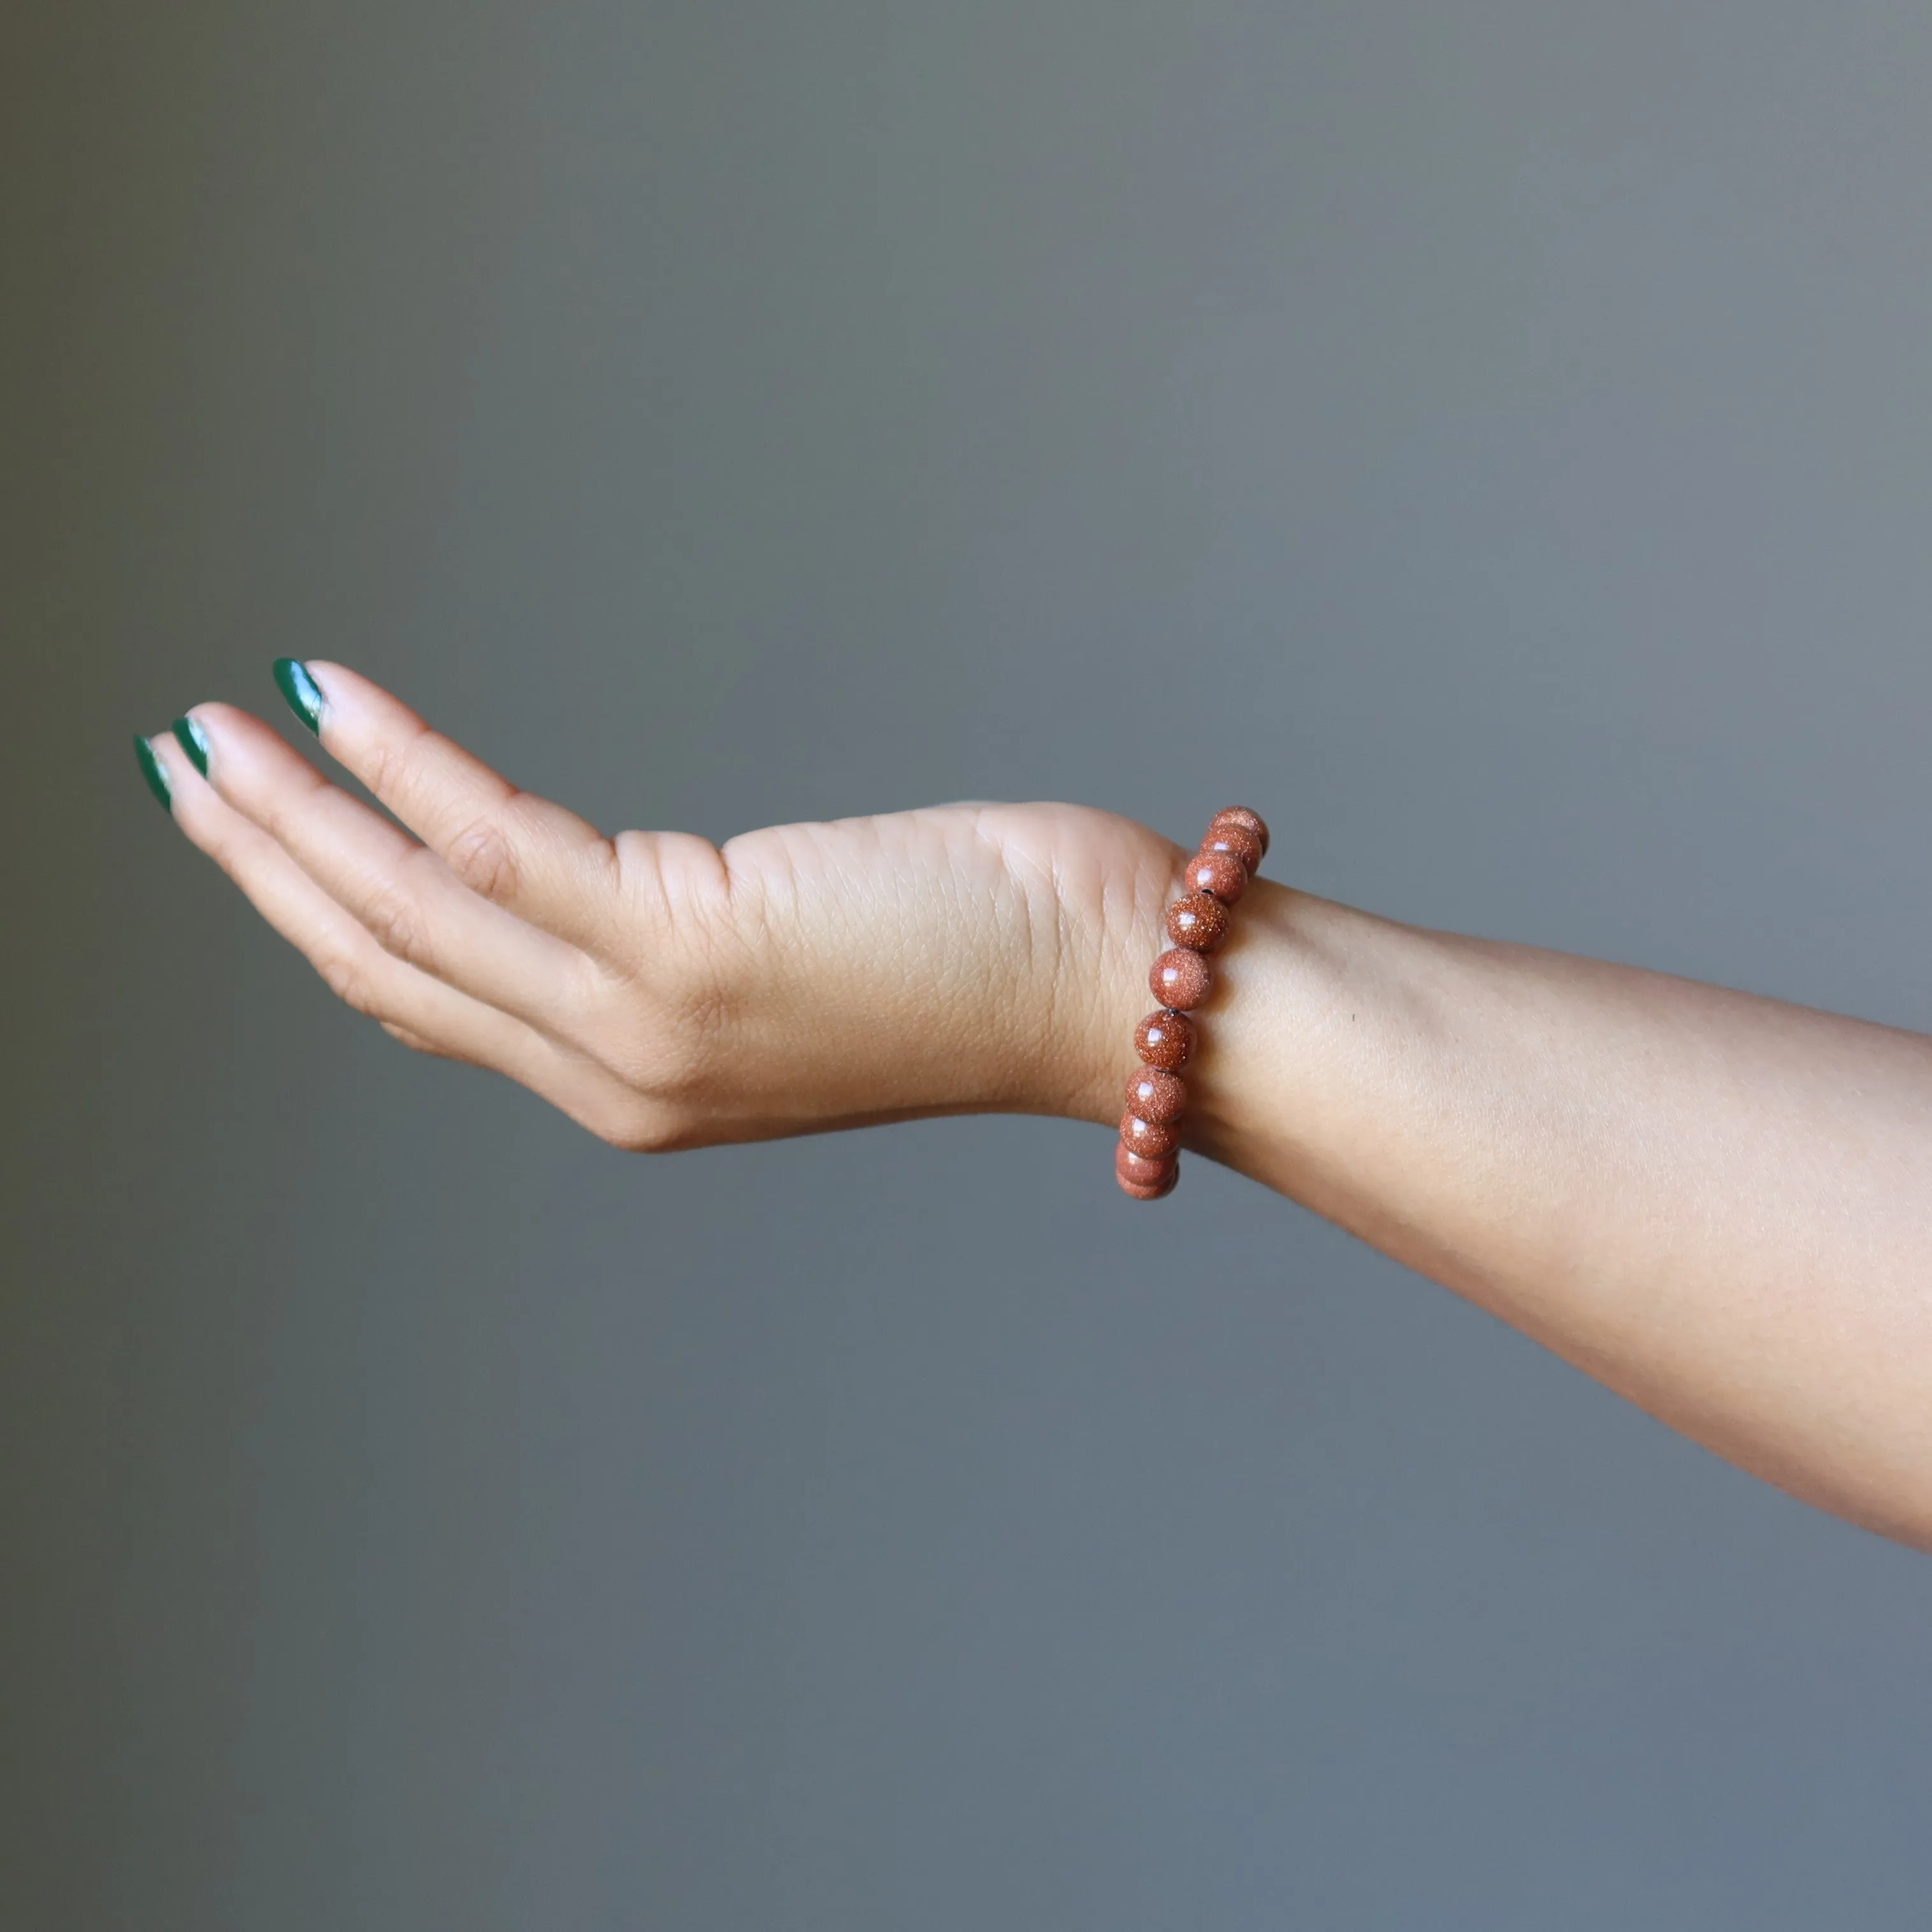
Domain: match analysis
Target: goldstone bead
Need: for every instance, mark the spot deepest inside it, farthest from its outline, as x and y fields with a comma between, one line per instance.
x=1240, y=814
x=1140, y=1170
x=1180, y=979
x=1155, y=1095
x=1135, y=1191
x=1200, y=920
x=1220, y=873
x=1154, y=1138
x=1235, y=840
x=1165, y=1040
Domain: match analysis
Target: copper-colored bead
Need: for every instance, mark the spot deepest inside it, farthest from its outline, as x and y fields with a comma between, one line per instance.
x=1200, y=920
x=1220, y=873
x=1155, y=1095
x=1165, y=1040
x=1235, y=840
x=1139, y=1170
x=1181, y=980
x=1240, y=814
x=1155, y=1138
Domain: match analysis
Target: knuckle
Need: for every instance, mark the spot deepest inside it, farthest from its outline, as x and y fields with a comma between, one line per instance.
x=415, y=1042
x=480, y=857
x=395, y=921
x=218, y=847
x=384, y=767
x=349, y=979
x=284, y=811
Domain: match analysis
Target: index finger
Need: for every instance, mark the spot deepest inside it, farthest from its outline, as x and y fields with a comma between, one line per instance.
x=523, y=853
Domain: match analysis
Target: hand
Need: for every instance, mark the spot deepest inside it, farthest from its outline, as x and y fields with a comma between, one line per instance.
x=666, y=992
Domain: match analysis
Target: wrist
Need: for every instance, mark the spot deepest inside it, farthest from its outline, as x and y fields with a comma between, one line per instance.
x=1116, y=995
x=1095, y=888
x=1311, y=1011
x=1161, y=1112
x=1278, y=980
x=1280, y=986
x=1264, y=977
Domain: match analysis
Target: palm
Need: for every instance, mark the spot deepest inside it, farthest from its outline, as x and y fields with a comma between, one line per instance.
x=956, y=956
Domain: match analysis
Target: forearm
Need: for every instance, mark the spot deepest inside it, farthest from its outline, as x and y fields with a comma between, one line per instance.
x=1719, y=1205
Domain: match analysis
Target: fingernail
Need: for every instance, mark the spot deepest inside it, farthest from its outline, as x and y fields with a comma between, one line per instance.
x=299, y=688
x=193, y=740
x=154, y=771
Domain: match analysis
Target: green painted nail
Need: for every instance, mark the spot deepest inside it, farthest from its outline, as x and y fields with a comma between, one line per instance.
x=154, y=771
x=299, y=688
x=193, y=740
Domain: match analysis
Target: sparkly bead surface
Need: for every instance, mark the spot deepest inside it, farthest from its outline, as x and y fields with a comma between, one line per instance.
x=1140, y=1170
x=1149, y=1137
x=1146, y=1160
x=1181, y=980
x=1235, y=840
x=1240, y=814
x=1165, y=1040
x=1200, y=921
x=1155, y=1095
x=1220, y=873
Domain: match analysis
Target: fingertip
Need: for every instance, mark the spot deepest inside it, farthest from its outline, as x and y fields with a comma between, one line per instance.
x=297, y=684
x=218, y=740
x=193, y=739
x=154, y=773
x=347, y=697
x=215, y=718
x=195, y=804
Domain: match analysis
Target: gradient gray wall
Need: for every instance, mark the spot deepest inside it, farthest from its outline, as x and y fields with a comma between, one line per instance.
x=1495, y=439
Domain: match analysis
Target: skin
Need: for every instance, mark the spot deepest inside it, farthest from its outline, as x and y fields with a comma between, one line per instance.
x=1718, y=1205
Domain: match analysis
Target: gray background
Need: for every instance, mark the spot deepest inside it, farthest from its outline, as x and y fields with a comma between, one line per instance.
x=1496, y=440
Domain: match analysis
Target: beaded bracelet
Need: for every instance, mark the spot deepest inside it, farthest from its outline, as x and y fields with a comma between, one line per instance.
x=1147, y=1162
